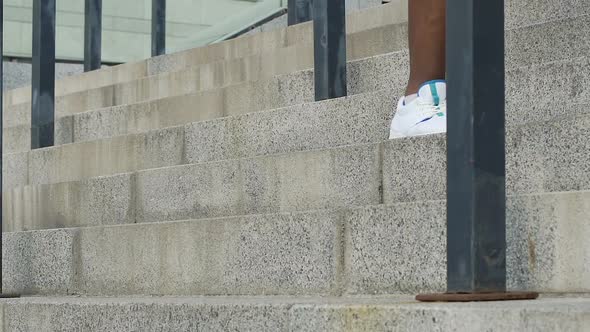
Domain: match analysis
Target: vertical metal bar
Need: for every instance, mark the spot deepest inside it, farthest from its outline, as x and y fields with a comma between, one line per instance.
x=92, y=34
x=476, y=234
x=329, y=29
x=158, y=27
x=43, y=80
x=299, y=11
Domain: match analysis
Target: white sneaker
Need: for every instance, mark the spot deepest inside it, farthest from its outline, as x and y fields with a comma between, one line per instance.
x=427, y=114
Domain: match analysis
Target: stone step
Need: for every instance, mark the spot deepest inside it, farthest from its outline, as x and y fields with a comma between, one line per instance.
x=373, y=249
x=292, y=314
x=191, y=143
x=242, y=47
x=322, y=163
x=173, y=146
x=330, y=178
x=519, y=13
x=544, y=156
x=526, y=46
x=219, y=74
x=378, y=72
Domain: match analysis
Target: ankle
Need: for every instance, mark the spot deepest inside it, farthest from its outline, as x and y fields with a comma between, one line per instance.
x=414, y=85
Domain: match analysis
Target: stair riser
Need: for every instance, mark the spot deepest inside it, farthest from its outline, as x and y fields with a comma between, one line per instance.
x=373, y=250
x=541, y=157
x=402, y=247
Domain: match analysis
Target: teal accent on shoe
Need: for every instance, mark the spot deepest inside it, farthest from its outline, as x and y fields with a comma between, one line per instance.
x=434, y=92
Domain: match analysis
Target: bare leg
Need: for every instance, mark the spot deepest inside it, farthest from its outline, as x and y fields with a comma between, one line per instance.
x=427, y=42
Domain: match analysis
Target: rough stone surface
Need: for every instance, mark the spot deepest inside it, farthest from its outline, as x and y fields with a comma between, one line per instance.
x=310, y=180
x=519, y=13
x=526, y=46
x=263, y=254
x=304, y=314
x=296, y=253
x=549, y=156
x=97, y=201
x=401, y=247
x=18, y=138
x=226, y=72
x=396, y=249
x=275, y=39
x=18, y=74
x=414, y=169
x=562, y=82
x=551, y=41
x=364, y=75
x=15, y=170
x=547, y=241
x=544, y=156
x=149, y=314
x=39, y=262
x=525, y=12
x=74, y=162
x=356, y=119
x=280, y=91
x=548, y=315
x=380, y=249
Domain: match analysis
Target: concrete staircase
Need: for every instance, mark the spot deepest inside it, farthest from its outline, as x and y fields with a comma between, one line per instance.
x=206, y=191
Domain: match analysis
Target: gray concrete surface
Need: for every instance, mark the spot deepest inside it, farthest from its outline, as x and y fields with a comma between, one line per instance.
x=519, y=13
x=42, y=162
x=379, y=249
x=521, y=44
x=274, y=314
x=401, y=247
x=217, y=74
x=560, y=79
x=543, y=156
x=334, y=178
x=302, y=200
x=97, y=201
x=235, y=48
x=18, y=74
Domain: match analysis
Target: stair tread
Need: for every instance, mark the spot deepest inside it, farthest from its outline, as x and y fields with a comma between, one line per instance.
x=292, y=314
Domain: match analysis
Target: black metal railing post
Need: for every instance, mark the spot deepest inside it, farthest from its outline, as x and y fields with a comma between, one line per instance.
x=329, y=30
x=476, y=196
x=299, y=11
x=158, y=27
x=43, y=76
x=92, y=34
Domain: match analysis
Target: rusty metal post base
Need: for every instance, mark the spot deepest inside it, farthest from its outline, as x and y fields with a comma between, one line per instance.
x=477, y=297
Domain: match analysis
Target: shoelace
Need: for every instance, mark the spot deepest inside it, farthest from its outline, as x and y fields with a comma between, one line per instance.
x=429, y=110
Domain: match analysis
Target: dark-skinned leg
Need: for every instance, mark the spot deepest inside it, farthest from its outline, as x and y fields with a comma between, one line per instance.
x=426, y=41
